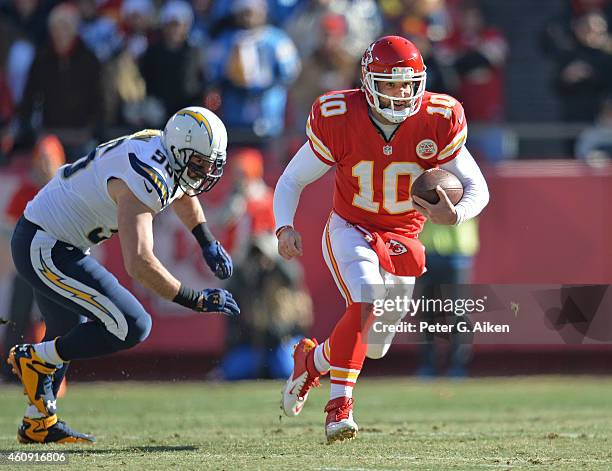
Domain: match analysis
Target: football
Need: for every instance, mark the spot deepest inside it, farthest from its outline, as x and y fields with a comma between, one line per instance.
x=425, y=185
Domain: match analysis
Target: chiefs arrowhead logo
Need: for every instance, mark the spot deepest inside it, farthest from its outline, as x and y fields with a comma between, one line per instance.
x=426, y=149
x=367, y=58
x=395, y=247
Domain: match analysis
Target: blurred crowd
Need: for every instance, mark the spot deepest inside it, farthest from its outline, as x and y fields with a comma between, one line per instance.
x=87, y=70
x=580, y=43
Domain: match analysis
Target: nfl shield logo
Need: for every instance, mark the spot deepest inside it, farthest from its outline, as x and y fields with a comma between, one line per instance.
x=388, y=150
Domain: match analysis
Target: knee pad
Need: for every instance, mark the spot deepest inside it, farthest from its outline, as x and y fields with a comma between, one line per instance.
x=380, y=342
x=376, y=351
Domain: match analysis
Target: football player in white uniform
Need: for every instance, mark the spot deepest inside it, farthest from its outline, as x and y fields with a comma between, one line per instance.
x=119, y=187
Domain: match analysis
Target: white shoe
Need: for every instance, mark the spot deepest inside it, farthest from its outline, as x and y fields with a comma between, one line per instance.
x=339, y=425
x=302, y=379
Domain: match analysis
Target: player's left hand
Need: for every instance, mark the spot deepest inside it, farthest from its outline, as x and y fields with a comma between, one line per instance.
x=443, y=212
x=218, y=260
x=218, y=300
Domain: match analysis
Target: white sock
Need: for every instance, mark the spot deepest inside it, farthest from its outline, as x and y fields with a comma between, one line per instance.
x=32, y=412
x=340, y=390
x=321, y=364
x=47, y=352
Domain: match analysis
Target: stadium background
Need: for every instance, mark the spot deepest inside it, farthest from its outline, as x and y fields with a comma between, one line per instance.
x=548, y=220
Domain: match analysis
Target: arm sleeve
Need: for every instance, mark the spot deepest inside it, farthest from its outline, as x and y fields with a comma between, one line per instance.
x=303, y=169
x=475, y=189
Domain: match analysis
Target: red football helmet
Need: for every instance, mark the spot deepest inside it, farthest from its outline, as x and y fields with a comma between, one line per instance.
x=393, y=59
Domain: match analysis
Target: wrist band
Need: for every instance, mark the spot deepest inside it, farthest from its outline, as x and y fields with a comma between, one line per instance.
x=281, y=229
x=203, y=235
x=187, y=297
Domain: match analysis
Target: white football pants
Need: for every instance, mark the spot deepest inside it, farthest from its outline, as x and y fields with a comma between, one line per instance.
x=360, y=278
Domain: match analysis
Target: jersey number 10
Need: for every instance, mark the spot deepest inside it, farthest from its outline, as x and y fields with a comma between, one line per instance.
x=364, y=171
x=332, y=105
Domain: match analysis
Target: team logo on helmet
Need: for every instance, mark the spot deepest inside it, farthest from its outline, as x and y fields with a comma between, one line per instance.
x=395, y=247
x=200, y=119
x=426, y=149
x=367, y=58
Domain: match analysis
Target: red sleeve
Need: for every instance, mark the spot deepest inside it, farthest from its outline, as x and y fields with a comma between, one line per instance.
x=24, y=193
x=451, y=128
x=15, y=207
x=324, y=117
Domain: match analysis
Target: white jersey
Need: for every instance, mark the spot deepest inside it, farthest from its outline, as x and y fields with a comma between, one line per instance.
x=75, y=206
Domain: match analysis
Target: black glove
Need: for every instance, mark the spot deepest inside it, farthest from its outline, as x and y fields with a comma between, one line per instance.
x=208, y=300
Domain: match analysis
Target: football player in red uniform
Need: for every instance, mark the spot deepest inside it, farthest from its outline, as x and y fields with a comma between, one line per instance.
x=379, y=138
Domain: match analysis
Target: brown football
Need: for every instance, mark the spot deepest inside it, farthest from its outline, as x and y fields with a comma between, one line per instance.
x=425, y=185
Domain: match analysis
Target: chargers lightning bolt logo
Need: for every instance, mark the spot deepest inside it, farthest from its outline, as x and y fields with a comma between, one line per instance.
x=200, y=119
x=58, y=281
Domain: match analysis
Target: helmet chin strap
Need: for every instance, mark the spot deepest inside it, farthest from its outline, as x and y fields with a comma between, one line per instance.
x=177, y=176
x=391, y=115
x=388, y=112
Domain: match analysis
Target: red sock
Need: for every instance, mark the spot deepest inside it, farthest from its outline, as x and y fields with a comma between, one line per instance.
x=348, y=349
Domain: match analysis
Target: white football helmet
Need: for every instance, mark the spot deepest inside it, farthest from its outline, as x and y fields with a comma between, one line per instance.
x=196, y=141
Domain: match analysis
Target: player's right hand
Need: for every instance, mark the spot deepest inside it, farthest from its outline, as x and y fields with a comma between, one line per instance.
x=217, y=300
x=290, y=243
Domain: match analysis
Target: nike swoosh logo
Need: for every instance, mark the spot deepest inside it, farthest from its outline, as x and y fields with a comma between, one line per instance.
x=148, y=188
x=291, y=391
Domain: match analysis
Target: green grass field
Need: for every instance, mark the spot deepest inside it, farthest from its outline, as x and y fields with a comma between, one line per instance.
x=518, y=423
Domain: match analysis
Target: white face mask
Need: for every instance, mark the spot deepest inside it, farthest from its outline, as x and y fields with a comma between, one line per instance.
x=412, y=102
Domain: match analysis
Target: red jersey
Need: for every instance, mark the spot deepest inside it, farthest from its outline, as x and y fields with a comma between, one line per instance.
x=374, y=175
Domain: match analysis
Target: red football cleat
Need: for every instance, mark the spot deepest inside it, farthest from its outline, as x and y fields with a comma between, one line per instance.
x=339, y=425
x=303, y=378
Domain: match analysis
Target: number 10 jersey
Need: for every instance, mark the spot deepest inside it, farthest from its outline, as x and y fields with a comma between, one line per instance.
x=374, y=175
